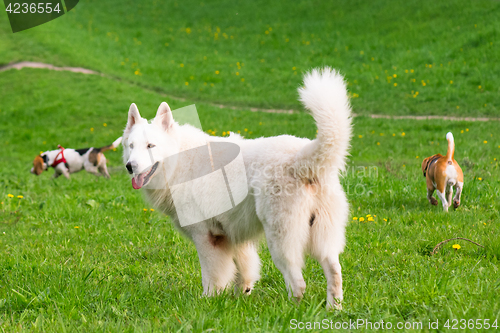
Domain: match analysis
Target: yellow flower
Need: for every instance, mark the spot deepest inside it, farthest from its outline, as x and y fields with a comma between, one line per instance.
x=485, y=141
x=461, y=131
x=370, y=219
x=246, y=129
x=77, y=227
x=145, y=209
x=152, y=210
x=393, y=134
x=403, y=134
x=187, y=83
x=479, y=178
x=242, y=80
x=456, y=246
x=182, y=65
x=91, y=129
x=20, y=197
x=466, y=129
x=479, y=87
x=294, y=68
x=378, y=143
x=385, y=220
x=417, y=157
x=188, y=30
x=395, y=84
x=360, y=136
x=354, y=218
x=368, y=215
x=484, y=223
x=10, y=195
x=361, y=219
x=217, y=72
x=104, y=124
x=451, y=82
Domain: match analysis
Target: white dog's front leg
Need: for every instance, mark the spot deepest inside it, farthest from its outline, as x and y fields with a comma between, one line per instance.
x=247, y=262
x=216, y=261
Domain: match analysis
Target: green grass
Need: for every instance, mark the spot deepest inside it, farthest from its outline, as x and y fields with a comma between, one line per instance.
x=124, y=269
x=83, y=255
x=451, y=47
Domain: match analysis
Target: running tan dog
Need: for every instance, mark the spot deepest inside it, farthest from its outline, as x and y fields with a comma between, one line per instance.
x=443, y=173
x=66, y=161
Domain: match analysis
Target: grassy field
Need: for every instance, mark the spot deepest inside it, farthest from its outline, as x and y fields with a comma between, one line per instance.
x=89, y=254
x=410, y=57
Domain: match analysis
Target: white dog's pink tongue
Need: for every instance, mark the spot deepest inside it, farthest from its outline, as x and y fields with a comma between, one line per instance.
x=137, y=182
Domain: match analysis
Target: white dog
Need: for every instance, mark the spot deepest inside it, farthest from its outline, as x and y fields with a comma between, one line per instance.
x=294, y=197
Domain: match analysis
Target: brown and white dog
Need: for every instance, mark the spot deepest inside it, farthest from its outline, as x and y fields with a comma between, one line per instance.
x=66, y=161
x=443, y=173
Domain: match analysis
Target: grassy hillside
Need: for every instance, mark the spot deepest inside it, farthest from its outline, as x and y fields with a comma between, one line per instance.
x=400, y=57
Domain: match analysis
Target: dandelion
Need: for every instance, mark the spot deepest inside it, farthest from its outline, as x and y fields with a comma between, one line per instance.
x=370, y=219
x=466, y=129
x=188, y=30
x=403, y=134
x=451, y=82
x=237, y=73
x=354, y=218
x=368, y=215
x=138, y=72
x=242, y=80
x=462, y=131
x=394, y=75
x=458, y=107
x=246, y=129
x=395, y=84
x=378, y=143
x=485, y=141
x=484, y=223
x=91, y=129
x=385, y=220
x=373, y=59
x=217, y=72
x=456, y=246
x=479, y=87
x=145, y=209
x=77, y=227
x=187, y=83
x=361, y=219
x=20, y=197
x=294, y=68
x=152, y=210
x=10, y=195
x=181, y=65
x=416, y=157
x=105, y=125
x=260, y=123
x=360, y=136
x=393, y=134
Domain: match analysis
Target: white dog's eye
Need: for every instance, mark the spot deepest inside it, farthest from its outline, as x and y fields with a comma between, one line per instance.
x=131, y=146
x=150, y=145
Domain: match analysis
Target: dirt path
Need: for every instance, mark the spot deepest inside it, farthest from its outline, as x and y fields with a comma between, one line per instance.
x=29, y=64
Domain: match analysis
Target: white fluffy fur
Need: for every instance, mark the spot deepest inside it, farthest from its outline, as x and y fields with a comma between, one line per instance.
x=306, y=171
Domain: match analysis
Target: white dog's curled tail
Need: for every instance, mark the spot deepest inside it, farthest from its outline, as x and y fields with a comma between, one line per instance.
x=325, y=94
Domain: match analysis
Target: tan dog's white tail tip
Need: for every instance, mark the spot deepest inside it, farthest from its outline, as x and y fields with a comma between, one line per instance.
x=449, y=136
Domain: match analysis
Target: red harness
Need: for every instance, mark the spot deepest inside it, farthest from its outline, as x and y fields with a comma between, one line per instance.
x=61, y=160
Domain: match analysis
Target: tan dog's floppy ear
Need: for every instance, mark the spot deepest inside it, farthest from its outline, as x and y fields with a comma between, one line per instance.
x=425, y=164
x=133, y=117
x=164, y=116
x=37, y=165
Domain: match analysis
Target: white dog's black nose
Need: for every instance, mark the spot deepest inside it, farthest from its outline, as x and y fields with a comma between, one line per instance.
x=129, y=167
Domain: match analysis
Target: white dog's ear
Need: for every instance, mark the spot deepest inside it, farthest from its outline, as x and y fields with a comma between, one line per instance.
x=164, y=117
x=133, y=117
